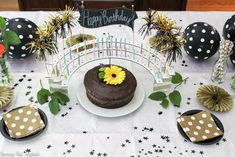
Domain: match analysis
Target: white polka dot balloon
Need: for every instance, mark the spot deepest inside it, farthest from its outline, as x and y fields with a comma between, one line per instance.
x=25, y=29
x=202, y=40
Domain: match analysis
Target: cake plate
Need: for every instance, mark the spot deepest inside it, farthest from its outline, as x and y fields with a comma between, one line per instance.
x=133, y=105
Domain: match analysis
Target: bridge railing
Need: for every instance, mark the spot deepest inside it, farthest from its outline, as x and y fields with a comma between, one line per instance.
x=63, y=65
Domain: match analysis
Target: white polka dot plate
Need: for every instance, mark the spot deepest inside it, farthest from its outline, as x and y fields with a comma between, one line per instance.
x=5, y=133
x=205, y=142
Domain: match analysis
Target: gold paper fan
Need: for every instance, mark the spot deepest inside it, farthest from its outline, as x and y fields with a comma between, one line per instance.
x=76, y=39
x=215, y=98
x=6, y=96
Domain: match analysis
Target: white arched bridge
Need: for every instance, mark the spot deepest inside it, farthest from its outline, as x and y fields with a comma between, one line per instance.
x=62, y=66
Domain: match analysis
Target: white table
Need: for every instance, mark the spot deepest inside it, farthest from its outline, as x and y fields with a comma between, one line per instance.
x=150, y=131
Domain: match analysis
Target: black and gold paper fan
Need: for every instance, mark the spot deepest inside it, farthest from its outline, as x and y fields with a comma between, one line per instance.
x=215, y=98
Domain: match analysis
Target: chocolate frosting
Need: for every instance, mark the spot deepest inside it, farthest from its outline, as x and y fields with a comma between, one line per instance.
x=106, y=95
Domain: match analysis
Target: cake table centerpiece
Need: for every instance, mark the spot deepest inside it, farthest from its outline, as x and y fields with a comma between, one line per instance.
x=110, y=86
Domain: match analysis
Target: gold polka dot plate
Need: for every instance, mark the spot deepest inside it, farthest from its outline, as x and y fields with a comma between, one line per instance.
x=201, y=128
x=6, y=132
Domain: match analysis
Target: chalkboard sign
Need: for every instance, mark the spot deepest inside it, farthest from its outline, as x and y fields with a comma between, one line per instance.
x=104, y=17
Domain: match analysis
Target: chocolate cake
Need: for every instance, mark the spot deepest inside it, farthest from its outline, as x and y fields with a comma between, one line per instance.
x=106, y=95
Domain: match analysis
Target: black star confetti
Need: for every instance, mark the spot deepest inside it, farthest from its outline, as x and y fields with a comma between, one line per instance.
x=31, y=99
x=64, y=114
x=29, y=87
x=92, y=152
x=27, y=150
x=66, y=142
x=128, y=141
x=27, y=93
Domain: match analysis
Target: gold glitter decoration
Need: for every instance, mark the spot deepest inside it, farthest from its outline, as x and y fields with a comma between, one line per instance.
x=148, y=26
x=163, y=22
x=168, y=38
x=67, y=19
x=45, y=43
x=215, y=98
x=6, y=96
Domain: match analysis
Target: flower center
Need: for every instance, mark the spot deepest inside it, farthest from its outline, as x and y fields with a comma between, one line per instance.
x=114, y=75
x=216, y=98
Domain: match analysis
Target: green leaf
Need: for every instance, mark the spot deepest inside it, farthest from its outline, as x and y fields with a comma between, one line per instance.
x=175, y=98
x=5, y=44
x=158, y=96
x=42, y=96
x=54, y=106
x=12, y=38
x=102, y=69
x=2, y=23
x=165, y=103
x=101, y=75
x=177, y=78
x=62, y=98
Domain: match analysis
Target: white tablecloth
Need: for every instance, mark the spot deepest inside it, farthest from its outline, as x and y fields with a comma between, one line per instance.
x=150, y=131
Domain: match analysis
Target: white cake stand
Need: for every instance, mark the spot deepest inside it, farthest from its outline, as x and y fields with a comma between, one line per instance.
x=133, y=105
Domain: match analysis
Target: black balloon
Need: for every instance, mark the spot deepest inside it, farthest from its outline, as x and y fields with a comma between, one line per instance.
x=6, y=19
x=229, y=29
x=229, y=34
x=232, y=56
x=25, y=29
x=202, y=40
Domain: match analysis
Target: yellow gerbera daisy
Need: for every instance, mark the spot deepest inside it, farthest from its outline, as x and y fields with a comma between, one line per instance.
x=114, y=75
